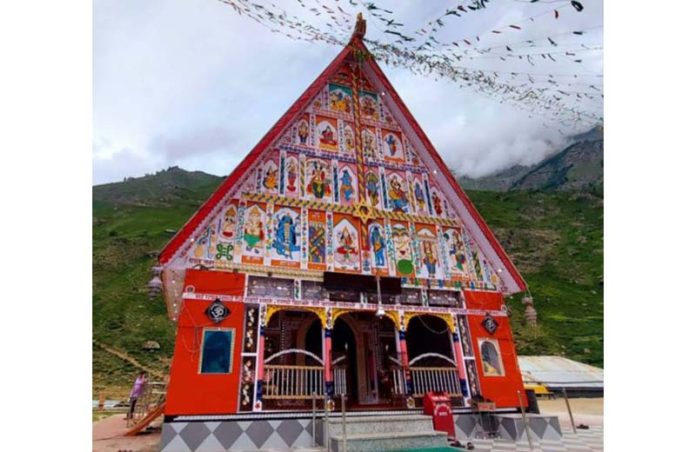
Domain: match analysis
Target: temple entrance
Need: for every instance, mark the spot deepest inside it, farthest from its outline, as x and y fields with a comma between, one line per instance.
x=345, y=362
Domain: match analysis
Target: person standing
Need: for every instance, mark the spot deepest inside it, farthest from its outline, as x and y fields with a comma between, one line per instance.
x=136, y=391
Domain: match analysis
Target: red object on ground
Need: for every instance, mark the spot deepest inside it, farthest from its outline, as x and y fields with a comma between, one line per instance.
x=439, y=406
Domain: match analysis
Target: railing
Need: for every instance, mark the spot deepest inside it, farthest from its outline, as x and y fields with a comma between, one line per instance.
x=292, y=382
x=339, y=375
x=427, y=379
x=152, y=395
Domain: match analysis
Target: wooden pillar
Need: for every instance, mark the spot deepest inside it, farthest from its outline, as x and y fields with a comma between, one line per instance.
x=404, y=361
x=328, y=371
x=261, y=347
x=459, y=359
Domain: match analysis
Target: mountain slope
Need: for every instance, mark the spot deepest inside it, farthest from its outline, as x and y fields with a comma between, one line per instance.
x=579, y=166
x=555, y=239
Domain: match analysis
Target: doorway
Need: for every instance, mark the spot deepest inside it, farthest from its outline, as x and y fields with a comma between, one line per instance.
x=344, y=350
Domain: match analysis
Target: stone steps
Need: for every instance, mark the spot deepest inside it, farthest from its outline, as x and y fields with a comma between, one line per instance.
x=383, y=433
x=414, y=423
x=389, y=441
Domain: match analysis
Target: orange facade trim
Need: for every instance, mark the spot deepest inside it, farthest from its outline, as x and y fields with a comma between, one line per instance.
x=189, y=391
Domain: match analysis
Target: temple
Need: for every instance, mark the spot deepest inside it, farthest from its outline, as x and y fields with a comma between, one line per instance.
x=339, y=257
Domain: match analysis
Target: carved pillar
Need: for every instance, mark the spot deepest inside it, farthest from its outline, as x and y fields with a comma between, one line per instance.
x=261, y=347
x=328, y=371
x=459, y=359
x=403, y=350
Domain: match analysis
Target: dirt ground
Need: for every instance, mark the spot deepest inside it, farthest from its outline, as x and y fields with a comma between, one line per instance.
x=107, y=433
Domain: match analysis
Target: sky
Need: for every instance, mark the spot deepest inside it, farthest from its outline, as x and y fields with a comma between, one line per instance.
x=191, y=83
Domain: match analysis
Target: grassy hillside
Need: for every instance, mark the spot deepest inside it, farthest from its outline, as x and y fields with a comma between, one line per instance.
x=554, y=238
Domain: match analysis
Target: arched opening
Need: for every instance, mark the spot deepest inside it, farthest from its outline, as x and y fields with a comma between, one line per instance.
x=345, y=356
x=428, y=334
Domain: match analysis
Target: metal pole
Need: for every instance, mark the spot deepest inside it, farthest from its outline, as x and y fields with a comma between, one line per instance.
x=325, y=427
x=570, y=413
x=314, y=418
x=343, y=414
x=524, y=419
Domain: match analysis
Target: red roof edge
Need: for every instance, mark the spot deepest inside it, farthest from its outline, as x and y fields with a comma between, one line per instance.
x=189, y=227
x=445, y=170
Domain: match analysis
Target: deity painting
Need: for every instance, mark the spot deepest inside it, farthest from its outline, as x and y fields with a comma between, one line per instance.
x=346, y=245
x=327, y=134
x=348, y=139
x=372, y=187
x=369, y=107
x=477, y=265
x=229, y=223
x=346, y=190
x=302, y=136
x=205, y=244
x=340, y=99
x=398, y=197
x=270, y=178
x=437, y=203
x=456, y=251
x=490, y=358
x=393, y=147
x=369, y=143
x=286, y=238
x=419, y=195
x=428, y=254
x=318, y=176
x=317, y=242
x=253, y=231
x=402, y=246
x=292, y=170
x=378, y=244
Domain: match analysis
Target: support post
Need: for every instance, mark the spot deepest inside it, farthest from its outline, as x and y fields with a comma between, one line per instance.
x=461, y=368
x=328, y=371
x=404, y=361
x=261, y=347
x=343, y=419
x=570, y=413
x=524, y=419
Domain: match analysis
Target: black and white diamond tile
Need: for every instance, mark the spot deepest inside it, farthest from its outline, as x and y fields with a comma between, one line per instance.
x=591, y=440
x=204, y=436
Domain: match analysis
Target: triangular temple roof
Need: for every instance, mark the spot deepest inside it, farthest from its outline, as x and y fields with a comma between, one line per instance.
x=508, y=278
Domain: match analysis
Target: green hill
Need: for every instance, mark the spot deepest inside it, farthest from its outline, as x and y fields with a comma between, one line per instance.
x=554, y=238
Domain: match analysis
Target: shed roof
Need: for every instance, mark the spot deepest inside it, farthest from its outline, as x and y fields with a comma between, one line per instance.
x=557, y=371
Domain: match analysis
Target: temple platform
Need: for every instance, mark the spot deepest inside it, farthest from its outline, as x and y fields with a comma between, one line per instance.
x=365, y=430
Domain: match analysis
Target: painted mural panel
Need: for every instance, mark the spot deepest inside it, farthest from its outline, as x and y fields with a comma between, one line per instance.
x=327, y=133
x=316, y=240
x=254, y=238
x=490, y=358
x=401, y=238
x=397, y=193
x=372, y=188
x=340, y=99
x=270, y=177
x=378, y=248
x=204, y=246
x=318, y=178
x=292, y=171
x=392, y=146
x=369, y=106
x=348, y=144
x=285, y=243
x=346, y=243
x=301, y=131
x=430, y=263
x=369, y=143
x=347, y=184
x=456, y=253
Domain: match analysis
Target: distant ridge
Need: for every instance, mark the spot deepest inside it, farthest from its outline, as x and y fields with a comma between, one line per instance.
x=161, y=188
x=580, y=166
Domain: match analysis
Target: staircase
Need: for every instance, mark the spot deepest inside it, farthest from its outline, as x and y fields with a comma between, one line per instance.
x=384, y=433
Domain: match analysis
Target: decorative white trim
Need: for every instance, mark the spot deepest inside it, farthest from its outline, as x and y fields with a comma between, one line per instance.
x=293, y=350
x=426, y=355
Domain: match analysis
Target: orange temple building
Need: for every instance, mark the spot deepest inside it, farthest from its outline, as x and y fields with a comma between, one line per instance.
x=339, y=257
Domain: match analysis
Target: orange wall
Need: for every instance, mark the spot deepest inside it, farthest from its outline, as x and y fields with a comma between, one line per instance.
x=190, y=392
x=501, y=390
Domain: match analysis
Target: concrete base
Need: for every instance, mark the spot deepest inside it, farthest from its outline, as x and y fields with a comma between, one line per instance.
x=507, y=426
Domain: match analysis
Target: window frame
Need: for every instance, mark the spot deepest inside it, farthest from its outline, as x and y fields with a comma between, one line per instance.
x=496, y=346
x=233, y=332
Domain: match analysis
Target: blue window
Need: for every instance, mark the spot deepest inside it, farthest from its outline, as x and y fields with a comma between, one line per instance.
x=216, y=355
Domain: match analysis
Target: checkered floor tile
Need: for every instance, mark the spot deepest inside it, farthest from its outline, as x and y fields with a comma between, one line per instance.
x=591, y=440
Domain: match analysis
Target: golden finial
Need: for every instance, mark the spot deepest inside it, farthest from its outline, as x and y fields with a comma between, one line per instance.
x=360, y=27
